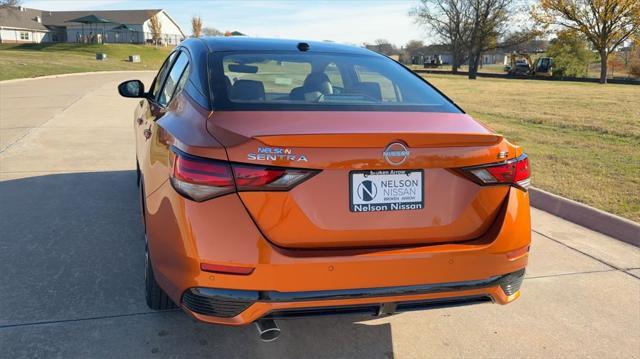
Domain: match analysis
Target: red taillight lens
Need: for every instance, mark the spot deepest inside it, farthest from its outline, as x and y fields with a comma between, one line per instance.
x=262, y=178
x=205, y=172
x=256, y=176
x=202, y=178
x=515, y=172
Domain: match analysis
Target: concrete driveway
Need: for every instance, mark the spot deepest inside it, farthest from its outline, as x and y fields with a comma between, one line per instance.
x=71, y=261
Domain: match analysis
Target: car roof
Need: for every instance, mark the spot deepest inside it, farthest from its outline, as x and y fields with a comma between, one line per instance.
x=243, y=43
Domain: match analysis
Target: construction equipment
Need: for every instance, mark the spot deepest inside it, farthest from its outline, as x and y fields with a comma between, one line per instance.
x=543, y=67
x=522, y=65
x=432, y=61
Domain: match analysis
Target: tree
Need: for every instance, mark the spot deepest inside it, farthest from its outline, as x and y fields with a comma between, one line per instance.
x=449, y=20
x=488, y=23
x=212, y=31
x=471, y=27
x=384, y=47
x=9, y=3
x=196, y=26
x=156, y=29
x=634, y=63
x=571, y=54
x=607, y=24
x=413, y=49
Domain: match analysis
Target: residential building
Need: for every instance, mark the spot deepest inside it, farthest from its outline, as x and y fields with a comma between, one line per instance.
x=24, y=25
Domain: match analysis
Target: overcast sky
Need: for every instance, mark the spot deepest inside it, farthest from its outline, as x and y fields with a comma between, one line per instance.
x=352, y=22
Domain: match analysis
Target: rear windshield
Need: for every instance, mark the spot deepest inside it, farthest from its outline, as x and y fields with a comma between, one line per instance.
x=319, y=81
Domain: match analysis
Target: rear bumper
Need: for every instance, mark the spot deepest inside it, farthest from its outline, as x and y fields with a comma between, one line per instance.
x=239, y=307
x=286, y=281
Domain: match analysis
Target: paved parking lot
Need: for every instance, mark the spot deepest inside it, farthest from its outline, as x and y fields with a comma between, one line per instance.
x=71, y=261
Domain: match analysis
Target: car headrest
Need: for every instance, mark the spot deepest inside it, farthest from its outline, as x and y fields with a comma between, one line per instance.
x=247, y=90
x=318, y=81
x=315, y=78
x=371, y=89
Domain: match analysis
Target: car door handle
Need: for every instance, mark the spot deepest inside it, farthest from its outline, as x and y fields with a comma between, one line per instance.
x=139, y=121
x=147, y=133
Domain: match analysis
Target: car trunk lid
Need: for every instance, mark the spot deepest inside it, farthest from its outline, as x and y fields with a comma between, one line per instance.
x=348, y=148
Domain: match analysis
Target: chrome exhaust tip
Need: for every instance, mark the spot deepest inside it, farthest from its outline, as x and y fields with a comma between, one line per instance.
x=268, y=330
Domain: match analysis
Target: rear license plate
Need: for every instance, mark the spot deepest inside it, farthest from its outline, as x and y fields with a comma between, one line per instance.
x=386, y=190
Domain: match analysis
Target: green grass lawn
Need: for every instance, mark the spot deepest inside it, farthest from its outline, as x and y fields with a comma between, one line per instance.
x=583, y=139
x=32, y=60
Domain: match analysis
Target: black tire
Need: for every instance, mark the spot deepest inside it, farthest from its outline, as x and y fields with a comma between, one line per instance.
x=143, y=214
x=157, y=299
x=138, y=173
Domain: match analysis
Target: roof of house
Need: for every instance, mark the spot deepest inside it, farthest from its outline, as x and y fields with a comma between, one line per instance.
x=21, y=18
x=24, y=18
x=61, y=18
x=436, y=49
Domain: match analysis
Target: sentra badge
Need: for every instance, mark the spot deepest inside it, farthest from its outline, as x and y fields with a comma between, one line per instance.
x=276, y=154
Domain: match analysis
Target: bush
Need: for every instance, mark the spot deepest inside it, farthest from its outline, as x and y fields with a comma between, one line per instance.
x=570, y=53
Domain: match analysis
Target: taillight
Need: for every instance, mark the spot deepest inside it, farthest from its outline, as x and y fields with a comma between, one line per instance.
x=201, y=179
x=515, y=172
x=262, y=178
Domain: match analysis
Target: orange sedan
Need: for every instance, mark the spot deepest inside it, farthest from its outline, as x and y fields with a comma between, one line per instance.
x=281, y=179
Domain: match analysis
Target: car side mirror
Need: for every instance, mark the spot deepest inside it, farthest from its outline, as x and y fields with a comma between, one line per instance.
x=132, y=88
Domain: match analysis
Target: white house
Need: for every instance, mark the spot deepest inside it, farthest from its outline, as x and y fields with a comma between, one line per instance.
x=23, y=25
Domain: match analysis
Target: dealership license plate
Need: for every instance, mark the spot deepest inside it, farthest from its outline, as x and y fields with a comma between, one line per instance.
x=386, y=190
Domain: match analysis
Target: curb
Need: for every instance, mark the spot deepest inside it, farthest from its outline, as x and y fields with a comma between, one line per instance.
x=72, y=74
x=606, y=223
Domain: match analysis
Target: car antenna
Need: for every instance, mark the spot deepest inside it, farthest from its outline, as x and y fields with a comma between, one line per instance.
x=303, y=46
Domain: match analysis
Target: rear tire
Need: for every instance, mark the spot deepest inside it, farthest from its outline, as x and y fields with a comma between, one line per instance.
x=143, y=209
x=157, y=299
x=138, y=173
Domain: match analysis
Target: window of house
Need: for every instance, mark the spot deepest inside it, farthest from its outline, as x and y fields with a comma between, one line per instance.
x=24, y=36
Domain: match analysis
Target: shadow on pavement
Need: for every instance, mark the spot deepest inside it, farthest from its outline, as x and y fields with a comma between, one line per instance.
x=71, y=258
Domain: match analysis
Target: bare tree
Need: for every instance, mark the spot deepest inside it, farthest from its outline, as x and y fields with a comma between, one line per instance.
x=384, y=47
x=212, y=31
x=156, y=29
x=488, y=23
x=196, y=26
x=449, y=20
x=413, y=49
x=607, y=24
x=9, y=3
x=491, y=28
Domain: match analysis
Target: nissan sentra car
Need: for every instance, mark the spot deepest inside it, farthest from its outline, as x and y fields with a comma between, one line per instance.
x=281, y=179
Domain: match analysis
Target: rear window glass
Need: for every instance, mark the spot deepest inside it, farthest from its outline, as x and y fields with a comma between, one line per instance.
x=319, y=81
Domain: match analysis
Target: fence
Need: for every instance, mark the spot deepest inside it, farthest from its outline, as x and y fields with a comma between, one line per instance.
x=125, y=37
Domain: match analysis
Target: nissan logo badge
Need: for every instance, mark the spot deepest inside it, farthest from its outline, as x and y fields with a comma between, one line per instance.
x=396, y=153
